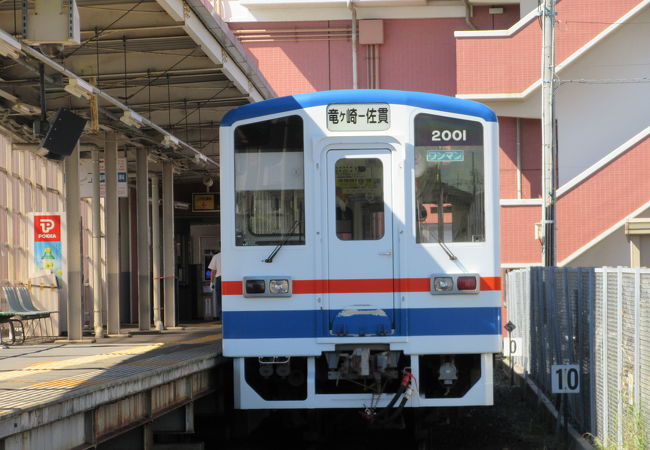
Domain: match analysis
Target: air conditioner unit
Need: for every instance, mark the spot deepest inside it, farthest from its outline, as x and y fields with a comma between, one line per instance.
x=53, y=22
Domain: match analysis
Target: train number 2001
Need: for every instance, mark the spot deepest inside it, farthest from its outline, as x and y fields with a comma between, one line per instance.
x=448, y=135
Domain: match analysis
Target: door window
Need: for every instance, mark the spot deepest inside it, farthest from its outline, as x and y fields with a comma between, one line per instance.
x=359, y=199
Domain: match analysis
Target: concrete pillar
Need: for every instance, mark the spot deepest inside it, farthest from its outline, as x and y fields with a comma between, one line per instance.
x=73, y=236
x=112, y=216
x=125, y=259
x=144, y=274
x=169, y=260
x=155, y=252
x=97, y=251
x=635, y=250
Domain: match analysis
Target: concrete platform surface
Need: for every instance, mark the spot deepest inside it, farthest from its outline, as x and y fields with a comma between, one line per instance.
x=62, y=379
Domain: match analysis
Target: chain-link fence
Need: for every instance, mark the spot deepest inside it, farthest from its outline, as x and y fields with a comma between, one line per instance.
x=600, y=320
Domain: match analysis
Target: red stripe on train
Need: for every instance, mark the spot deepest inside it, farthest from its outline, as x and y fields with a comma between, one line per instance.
x=358, y=286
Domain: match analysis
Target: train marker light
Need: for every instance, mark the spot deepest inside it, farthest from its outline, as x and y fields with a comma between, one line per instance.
x=443, y=284
x=255, y=286
x=466, y=283
x=279, y=286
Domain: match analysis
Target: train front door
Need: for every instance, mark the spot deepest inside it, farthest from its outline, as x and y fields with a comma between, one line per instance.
x=360, y=250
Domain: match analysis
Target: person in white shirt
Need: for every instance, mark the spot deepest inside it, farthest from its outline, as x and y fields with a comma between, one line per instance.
x=215, y=281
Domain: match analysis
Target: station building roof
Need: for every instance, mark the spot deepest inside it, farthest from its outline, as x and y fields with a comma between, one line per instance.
x=173, y=63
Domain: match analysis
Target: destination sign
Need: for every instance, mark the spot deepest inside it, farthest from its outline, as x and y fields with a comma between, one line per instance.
x=358, y=117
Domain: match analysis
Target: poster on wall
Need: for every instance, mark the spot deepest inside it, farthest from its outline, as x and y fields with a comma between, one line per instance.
x=86, y=178
x=47, y=247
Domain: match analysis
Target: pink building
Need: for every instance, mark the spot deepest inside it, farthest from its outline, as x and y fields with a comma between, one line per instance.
x=490, y=51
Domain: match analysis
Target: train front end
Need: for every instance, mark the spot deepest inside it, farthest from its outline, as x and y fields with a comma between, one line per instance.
x=360, y=251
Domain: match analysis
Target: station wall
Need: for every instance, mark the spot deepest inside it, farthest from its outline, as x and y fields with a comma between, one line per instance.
x=28, y=183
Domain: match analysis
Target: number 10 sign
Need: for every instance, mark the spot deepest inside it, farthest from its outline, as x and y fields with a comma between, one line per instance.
x=565, y=379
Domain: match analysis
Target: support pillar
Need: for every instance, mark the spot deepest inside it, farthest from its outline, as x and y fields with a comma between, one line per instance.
x=97, y=251
x=635, y=251
x=112, y=216
x=155, y=252
x=73, y=236
x=169, y=260
x=635, y=229
x=144, y=274
x=125, y=259
x=549, y=158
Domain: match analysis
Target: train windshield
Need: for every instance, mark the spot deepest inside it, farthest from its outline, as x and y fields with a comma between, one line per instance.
x=269, y=183
x=449, y=182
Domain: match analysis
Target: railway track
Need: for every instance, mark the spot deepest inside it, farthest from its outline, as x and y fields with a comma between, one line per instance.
x=512, y=423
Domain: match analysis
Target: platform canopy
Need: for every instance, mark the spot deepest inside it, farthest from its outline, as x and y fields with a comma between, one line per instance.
x=157, y=68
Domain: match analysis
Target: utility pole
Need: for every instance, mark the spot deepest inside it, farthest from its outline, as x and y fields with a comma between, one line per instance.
x=548, y=133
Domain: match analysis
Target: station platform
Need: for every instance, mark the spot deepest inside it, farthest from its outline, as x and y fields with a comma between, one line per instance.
x=78, y=395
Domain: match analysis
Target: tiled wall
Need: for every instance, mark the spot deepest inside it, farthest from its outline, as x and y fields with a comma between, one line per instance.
x=28, y=183
x=511, y=64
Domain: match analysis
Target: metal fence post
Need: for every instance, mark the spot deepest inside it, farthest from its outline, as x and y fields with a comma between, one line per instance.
x=637, y=337
x=580, y=342
x=619, y=356
x=604, y=358
x=592, y=352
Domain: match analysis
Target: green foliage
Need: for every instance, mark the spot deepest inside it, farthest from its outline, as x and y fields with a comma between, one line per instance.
x=635, y=432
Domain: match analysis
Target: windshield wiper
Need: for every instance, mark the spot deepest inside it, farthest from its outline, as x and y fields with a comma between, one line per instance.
x=269, y=259
x=447, y=250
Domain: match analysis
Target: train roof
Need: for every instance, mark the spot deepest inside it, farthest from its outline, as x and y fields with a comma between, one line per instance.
x=302, y=101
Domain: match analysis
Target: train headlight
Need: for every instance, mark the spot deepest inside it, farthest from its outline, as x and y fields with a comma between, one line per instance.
x=279, y=287
x=442, y=284
x=452, y=284
x=267, y=286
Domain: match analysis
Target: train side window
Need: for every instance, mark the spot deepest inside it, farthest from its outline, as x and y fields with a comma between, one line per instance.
x=449, y=180
x=359, y=199
x=269, y=183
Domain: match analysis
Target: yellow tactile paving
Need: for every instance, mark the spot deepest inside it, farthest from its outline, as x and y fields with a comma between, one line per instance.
x=43, y=367
x=147, y=363
x=201, y=340
x=66, y=383
x=30, y=386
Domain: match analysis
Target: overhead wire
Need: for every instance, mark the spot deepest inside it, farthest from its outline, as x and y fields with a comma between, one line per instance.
x=202, y=101
x=103, y=30
x=165, y=72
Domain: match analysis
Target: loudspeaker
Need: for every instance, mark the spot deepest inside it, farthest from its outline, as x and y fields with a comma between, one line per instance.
x=63, y=134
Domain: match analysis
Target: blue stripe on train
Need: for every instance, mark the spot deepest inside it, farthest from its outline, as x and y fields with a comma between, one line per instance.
x=314, y=323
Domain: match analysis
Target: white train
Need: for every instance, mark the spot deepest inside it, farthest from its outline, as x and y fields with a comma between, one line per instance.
x=360, y=249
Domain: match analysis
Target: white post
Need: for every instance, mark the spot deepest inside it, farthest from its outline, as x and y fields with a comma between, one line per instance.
x=144, y=275
x=354, y=45
x=73, y=227
x=112, y=218
x=97, y=251
x=169, y=262
x=548, y=134
x=155, y=251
